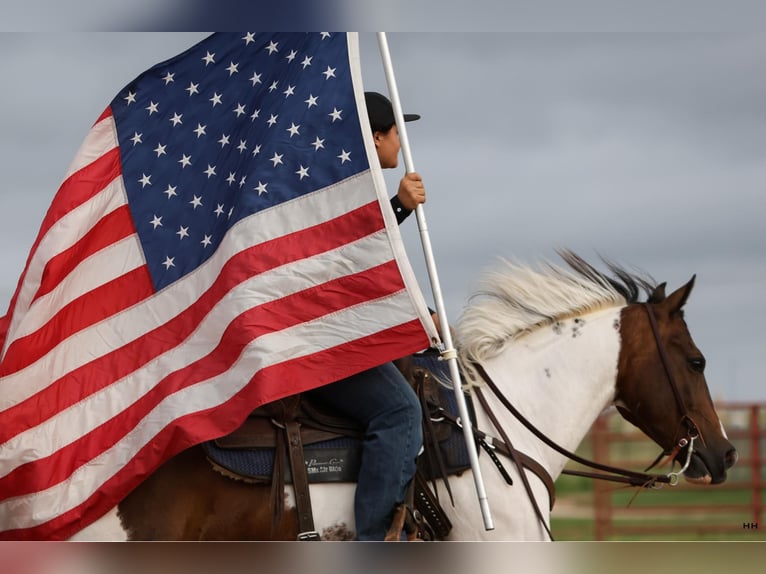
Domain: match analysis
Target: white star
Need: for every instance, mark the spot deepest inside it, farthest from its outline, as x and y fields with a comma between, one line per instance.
x=329, y=73
x=209, y=59
x=289, y=91
x=130, y=98
x=168, y=78
x=312, y=101
x=291, y=56
x=200, y=130
x=249, y=37
x=216, y=99
x=273, y=86
x=145, y=180
x=231, y=211
x=344, y=156
x=272, y=120
x=185, y=160
x=293, y=129
x=168, y=263
x=318, y=143
x=160, y=149
x=176, y=119
x=219, y=210
x=242, y=181
x=255, y=115
x=335, y=115
x=152, y=107
x=239, y=110
x=306, y=62
x=256, y=150
x=182, y=232
x=136, y=139
x=224, y=140
x=272, y=47
x=196, y=202
x=242, y=146
x=156, y=222
x=170, y=191
x=233, y=68
x=325, y=35
x=277, y=158
x=302, y=172
x=210, y=171
x=192, y=89
x=260, y=188
x=232, y=178
x=207, y=240
x=256, y=79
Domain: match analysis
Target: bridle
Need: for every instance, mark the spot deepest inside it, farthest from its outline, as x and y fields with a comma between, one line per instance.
x=692, y=432
x=614, y=474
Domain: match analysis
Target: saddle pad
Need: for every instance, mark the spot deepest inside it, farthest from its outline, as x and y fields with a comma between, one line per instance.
x=338, y=460
x=335, y=460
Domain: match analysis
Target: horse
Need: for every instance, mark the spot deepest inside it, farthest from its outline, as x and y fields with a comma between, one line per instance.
x=560, y=345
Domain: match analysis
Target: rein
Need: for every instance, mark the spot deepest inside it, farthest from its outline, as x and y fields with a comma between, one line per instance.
x=614, y=474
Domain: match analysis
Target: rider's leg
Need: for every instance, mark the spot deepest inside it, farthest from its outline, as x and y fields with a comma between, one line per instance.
x=382, y=400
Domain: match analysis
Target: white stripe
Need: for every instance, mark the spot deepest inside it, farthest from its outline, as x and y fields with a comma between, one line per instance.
x=132, y=323
x=95, y=271
x=92, y=411
x=101, y=139
x=61, y=236
x=37, y=508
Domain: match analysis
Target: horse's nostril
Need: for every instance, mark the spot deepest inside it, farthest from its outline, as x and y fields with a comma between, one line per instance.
x=731, y=457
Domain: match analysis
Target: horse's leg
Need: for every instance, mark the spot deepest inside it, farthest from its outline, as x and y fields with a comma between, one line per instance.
x=185, y=499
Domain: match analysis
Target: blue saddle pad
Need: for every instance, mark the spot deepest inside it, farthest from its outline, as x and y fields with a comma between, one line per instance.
x=338, y=460
x=334, y=460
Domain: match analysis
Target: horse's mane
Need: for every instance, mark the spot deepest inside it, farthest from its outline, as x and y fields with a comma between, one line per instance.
x=517, y=299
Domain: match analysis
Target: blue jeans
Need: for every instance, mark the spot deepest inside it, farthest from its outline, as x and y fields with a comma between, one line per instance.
x=382, y=401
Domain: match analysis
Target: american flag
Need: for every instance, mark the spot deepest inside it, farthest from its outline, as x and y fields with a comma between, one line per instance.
x=222, y=239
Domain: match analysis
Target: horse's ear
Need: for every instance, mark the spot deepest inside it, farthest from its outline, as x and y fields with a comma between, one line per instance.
x=677, y=299
x=658, y=294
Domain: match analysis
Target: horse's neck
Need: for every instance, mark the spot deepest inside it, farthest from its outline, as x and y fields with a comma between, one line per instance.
x=560, y=378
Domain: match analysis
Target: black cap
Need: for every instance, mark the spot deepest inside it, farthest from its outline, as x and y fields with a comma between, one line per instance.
x=381, y=112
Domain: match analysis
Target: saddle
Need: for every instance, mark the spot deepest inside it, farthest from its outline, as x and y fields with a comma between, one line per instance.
x=296, y=441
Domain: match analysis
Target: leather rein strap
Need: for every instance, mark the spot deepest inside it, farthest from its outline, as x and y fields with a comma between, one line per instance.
x=515, y=458
x=631, y=477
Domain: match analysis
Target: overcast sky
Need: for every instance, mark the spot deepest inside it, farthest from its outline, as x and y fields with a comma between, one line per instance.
x=647, y=148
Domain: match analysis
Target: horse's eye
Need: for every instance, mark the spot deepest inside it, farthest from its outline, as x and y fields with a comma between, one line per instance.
x=697, y=364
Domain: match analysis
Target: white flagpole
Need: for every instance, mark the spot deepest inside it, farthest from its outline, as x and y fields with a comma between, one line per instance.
x=448, y=352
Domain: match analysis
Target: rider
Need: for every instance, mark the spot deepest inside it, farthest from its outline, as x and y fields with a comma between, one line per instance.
x=381, y=399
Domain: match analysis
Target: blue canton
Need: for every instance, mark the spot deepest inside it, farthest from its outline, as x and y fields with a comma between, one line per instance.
x=234, y=125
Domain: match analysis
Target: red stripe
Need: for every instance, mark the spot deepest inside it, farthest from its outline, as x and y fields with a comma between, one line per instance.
x=110, y=229
x=268, y=318
x=107, y=113
x=309, y=372
x=84, y=311
x=76, y=190
x=101, y=372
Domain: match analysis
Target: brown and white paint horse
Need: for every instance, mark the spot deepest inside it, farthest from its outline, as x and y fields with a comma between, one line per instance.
x=562, y=345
